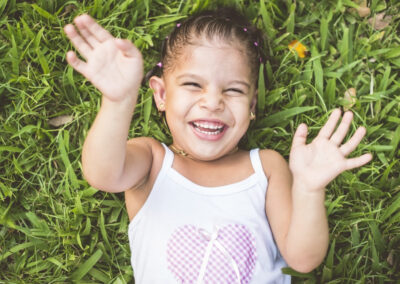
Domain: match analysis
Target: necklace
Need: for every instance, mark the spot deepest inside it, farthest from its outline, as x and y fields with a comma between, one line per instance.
x=184, y=154
x=178, y=151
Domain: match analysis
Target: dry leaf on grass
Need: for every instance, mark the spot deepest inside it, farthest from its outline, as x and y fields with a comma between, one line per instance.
x=60, y=120
x=389, y=259
x=349, y=98
x=69, y=9
x=380, y=21
x=363, y=11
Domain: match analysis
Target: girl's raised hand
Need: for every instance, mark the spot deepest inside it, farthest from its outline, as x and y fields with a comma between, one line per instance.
x=114, y=66
x=315, y=165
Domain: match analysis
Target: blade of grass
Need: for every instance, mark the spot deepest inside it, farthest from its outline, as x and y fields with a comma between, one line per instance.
x=85, y=267
x=284, y=115
x=318, y=71
x=43, y=12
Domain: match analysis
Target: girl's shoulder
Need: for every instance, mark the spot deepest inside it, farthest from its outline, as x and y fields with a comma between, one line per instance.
x=154, y=152
x=272, y=162
x=147, y=143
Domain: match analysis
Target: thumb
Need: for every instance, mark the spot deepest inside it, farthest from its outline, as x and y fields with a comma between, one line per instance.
x=300, y=135
x=127, y=47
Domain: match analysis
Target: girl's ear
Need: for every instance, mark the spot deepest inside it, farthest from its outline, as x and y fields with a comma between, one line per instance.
x=158, y=86
x=254, y=102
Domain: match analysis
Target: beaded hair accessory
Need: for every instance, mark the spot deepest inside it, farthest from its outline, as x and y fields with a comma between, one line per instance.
x=256, y=44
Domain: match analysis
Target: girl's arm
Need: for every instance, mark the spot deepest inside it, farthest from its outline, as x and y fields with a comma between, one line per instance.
x=296, y=193
x=115, y=67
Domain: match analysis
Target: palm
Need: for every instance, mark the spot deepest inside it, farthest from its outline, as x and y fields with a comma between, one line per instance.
x=319, y=162
x=113, y=66
x=111, y=72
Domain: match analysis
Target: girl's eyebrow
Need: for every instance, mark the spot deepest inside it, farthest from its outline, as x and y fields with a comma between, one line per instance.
x=241, y=82
x=190, y=75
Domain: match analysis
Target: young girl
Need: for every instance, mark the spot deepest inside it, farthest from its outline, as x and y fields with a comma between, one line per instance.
x=202, y=210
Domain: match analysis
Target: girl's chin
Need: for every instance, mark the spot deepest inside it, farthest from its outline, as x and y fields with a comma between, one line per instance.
x=206, y=154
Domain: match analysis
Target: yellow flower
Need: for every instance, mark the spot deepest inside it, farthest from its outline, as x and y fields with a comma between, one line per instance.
x=299, y=48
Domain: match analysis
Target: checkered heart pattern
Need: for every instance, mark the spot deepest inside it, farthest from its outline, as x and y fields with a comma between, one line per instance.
x=186, y=251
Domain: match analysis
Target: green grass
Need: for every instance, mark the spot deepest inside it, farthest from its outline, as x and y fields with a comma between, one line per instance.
x=55, y=228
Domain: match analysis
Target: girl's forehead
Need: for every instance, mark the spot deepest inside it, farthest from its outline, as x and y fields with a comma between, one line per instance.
x=204, y=52
x=215, y=43
x=213, y=40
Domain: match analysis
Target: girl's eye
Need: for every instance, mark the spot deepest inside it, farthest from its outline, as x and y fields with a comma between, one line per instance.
x=234, y=90
x=192, y=84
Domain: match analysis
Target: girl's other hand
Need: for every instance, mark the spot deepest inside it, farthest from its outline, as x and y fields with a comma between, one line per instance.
x=114, y=66
x=315, y=165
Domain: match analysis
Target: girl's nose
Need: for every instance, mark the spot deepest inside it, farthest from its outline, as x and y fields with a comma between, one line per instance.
x=213, y=100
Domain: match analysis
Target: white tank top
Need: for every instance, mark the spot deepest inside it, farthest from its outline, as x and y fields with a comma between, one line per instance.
x=187, y=233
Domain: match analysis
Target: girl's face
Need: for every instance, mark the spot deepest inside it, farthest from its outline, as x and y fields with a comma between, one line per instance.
x=208, y=97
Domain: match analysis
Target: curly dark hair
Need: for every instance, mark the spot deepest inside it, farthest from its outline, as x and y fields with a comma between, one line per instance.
x=224, y=23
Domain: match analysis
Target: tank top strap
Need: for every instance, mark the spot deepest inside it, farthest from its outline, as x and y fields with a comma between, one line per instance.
x=168, y=158
x=257, y=166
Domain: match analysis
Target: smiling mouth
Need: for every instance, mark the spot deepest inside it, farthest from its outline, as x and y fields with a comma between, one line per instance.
x=208, y=128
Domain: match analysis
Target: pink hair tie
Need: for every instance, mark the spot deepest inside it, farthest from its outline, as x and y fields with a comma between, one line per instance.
x=159, y=64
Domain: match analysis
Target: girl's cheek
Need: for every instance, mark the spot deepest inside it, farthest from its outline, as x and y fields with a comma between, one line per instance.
x=242, y=103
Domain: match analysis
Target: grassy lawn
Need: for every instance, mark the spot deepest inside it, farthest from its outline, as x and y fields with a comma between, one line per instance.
x=55, y=228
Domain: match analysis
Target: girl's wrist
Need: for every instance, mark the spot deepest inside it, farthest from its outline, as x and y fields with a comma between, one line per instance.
x=306, y=200
x=301, y=187
x=125, y=95
x=127, y=102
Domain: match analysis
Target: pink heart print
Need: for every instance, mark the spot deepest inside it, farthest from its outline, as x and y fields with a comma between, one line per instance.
x=226, y=255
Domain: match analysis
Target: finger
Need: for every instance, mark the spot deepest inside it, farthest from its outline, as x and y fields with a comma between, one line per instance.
x=94, y=28
x=300, y=135
x=80, y=44
x=343, y=128
x=76, y=63
x=353, y=142
x=358, y=162
x=85, y=33
x=127, y=47
x=327, y=130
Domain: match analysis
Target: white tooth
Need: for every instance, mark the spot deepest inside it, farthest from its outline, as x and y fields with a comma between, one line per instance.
x=210, y=133
x=208, y=126
x=218, y=128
